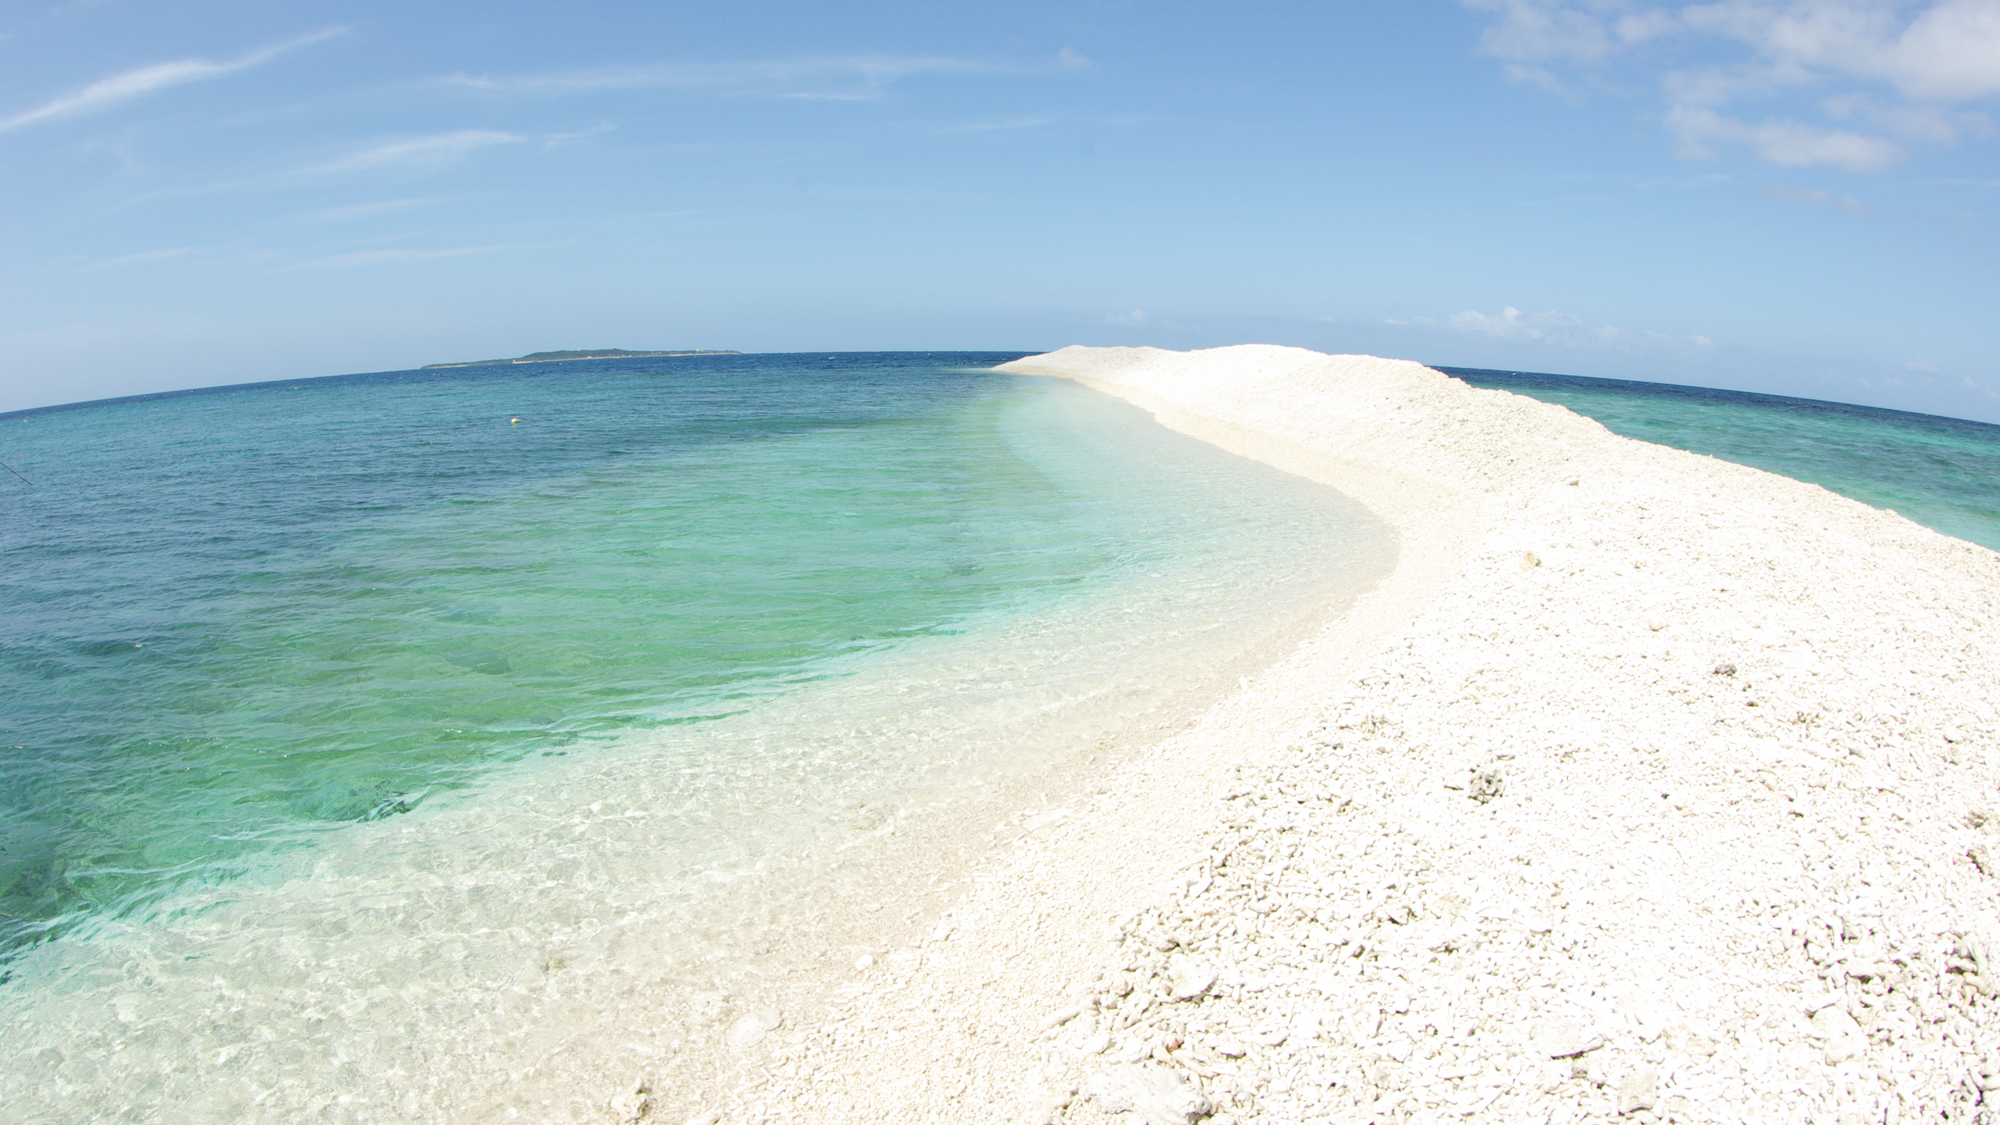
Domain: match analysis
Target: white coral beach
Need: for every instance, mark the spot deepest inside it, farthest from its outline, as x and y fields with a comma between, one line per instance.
x=1645, y=787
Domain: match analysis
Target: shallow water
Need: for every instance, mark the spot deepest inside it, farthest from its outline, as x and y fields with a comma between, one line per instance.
x=358, y=731
x=1943, y=473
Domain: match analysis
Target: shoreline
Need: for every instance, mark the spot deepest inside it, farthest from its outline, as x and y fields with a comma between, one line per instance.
x=1645, y=787
x=1641, y=786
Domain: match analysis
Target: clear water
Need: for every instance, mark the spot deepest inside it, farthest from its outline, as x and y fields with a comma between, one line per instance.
x=1941, y=472
x=342, y=715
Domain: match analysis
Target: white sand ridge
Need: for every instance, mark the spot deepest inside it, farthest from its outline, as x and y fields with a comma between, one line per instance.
x=1646, y=787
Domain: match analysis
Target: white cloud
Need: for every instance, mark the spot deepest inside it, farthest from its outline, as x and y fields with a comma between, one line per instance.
x=1132, y=319
x=1528, y=75
x=1540, y=30
x=148, y=79
x=1784, y=143
x=1813, y=197
x=422, y=152
x=1948, y=51
x=1920, y=124
x=1511, y=324
x=1073, y=61
x=1929, y=56
x=1639, y=27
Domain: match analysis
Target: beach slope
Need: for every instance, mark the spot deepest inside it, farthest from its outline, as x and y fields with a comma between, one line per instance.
x=1645, y=787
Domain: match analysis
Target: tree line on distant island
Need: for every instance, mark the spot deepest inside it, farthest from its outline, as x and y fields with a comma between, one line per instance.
x=558, y=357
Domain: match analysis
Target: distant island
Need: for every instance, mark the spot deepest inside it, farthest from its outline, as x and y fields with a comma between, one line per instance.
x=561, y=357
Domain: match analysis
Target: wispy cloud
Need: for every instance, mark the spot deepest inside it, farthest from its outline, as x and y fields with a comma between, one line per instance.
x=1554, y=328
x=393, y=257
x=150, y=79
x=1000, y=126
x=140, y=258
x=354, y=211
x=771, y=76
x=414, y=154
x=433, y=151
x=1813, y=197
x=1132, y=319
x=558, y=140
x=1071, y=60
x=1932, y=57
x=865, y=94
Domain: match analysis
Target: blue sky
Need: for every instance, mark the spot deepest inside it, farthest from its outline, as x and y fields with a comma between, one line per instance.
x=1800, y=198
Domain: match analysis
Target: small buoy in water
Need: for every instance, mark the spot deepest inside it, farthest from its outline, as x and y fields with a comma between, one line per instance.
x=513, y=421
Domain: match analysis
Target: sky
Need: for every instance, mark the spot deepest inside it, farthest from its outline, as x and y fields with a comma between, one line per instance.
x=1798, y=198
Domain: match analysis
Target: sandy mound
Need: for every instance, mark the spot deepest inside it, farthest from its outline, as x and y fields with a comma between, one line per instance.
x=1647, y=787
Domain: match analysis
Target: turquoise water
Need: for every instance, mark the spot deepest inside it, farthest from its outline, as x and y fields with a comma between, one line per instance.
x=1943, y=473
x=370, y=755
x=241, y=619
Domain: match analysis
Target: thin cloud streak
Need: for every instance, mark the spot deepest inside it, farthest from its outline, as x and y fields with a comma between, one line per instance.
x=873, y=70
x=392, y=257
x=135, y=259
x=1000, y=126
x=149, y=79
x=354, y=211
x=424, y=152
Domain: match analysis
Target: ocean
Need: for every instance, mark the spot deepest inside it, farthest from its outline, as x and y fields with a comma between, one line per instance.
x=361, y=720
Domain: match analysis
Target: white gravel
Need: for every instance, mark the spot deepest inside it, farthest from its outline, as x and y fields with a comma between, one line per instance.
x=1647, y=787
